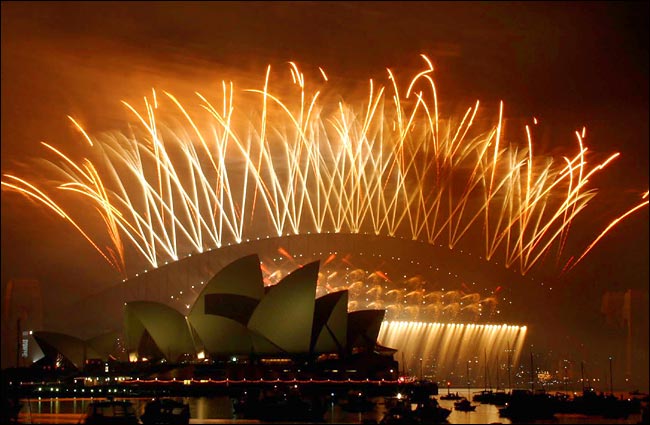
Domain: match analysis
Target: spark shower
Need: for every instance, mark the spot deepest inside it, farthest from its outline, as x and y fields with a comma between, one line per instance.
x=260, y=162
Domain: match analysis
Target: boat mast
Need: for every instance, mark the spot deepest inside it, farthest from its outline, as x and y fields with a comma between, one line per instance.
x=468, y=380
x=497, y=371
x=485, y=378
x=532, y=379
x=509, y=365
x=611, y=378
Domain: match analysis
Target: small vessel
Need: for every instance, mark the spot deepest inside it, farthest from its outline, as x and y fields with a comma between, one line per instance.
x=525, y=405
x=425, y=412
x=454, y=396
x=500, y=398
x=398, y=400
x=357, y=401
x=484, y=397
x=398, y=410
x=593, y=404
x=166, y=411
x=487, y=396
x=279, y=405
x=431, y=412
x=450, y=396
x=109, y=412
x=464, y=405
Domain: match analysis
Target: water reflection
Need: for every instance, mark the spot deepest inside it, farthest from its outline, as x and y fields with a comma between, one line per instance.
x=210, y=407
x=219, y=409
x=55, y=405
x=484, y=414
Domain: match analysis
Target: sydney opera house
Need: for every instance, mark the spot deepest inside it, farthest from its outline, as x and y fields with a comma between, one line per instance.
x=234, y=315
x=299, y=297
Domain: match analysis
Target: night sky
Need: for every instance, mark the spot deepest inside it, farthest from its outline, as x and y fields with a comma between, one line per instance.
x=568, y=64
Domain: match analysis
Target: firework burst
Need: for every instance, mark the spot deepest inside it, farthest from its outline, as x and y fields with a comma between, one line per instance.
x=258, y=163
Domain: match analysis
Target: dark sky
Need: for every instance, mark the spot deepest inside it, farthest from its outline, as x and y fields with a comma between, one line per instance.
x=569, y=64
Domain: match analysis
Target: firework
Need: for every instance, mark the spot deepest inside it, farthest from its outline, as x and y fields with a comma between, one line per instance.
x=256, y=163
x=419, y=297
x=449, y=346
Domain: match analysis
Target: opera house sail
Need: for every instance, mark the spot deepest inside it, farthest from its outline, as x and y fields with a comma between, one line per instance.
x=235, y=315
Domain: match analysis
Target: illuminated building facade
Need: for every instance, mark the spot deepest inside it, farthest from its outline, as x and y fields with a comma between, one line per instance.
x=235, y=315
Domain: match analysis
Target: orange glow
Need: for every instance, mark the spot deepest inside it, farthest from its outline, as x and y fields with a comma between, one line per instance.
x=257, y=163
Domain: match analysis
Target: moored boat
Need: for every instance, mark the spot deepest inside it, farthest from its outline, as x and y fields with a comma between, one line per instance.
x=464, y=405
x=450, y=396
x=108, y=412
x=594, y=404
x=166, y=411
x=484, y=397
x=357, y=401
x=279, y=405
x=424, y=412
x=526, y=405
x=431, y=412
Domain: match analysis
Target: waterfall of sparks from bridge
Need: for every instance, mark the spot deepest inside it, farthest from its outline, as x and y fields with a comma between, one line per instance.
x=446, y=348
x=185, y=181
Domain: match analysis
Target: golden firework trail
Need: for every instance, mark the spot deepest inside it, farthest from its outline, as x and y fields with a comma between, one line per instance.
x=259, y=164
x=609, y=227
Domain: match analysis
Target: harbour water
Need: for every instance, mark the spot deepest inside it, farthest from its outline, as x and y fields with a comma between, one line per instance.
x=219, y=409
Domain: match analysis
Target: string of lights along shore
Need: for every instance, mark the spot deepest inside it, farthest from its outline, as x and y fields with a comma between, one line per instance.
x=289, y=157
